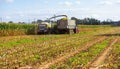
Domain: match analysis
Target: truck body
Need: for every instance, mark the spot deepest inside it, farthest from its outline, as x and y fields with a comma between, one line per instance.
x=66, y=24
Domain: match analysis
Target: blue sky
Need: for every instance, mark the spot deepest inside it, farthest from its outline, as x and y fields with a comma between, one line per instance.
x=29, y=10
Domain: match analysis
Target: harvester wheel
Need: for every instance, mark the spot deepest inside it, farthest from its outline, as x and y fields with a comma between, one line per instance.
x=49, y=31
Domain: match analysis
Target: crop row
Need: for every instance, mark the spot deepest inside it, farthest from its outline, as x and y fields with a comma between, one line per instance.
x=41, y=53
x=80, y=60
x=113, y=59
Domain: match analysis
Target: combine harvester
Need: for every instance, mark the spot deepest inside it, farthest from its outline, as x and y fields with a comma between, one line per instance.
x=60, y=26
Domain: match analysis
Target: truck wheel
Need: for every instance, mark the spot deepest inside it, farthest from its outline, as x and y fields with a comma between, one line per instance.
x=70, y=31
x=76, y=30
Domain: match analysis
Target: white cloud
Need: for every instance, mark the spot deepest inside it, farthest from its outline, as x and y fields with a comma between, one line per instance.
x=21, y=15
x=69, y=3
x=7, y=0
x=98, y=13
x=110, y=2
x=106, y=3
x=95, y=16
x=77, y=2
x=8, y=17
x=66, y=3
x=46, y=2
x=118, y=2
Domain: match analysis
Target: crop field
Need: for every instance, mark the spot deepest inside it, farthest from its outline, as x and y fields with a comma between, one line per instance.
x=16, y=29
x=95, y=46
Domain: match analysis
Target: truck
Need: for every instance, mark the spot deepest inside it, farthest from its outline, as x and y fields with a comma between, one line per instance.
x=60, y=26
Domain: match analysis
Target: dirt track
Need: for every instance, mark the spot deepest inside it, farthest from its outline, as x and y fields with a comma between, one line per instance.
x=96, y=63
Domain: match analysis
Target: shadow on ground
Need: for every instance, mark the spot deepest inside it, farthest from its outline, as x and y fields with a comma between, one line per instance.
x=109, y=35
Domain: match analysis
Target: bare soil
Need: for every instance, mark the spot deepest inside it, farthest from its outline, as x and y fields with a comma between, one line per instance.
x=96, y=63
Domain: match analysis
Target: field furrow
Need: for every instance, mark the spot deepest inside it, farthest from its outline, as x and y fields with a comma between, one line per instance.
x=40, y=55
x=96, y=63
x=82, y=58
x=88, y=45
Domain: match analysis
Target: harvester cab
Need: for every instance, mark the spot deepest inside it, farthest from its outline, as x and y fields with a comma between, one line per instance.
x=44, y=27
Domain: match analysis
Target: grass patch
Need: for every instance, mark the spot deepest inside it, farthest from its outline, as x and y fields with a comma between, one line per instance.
x=93, y=26
x=14, y=43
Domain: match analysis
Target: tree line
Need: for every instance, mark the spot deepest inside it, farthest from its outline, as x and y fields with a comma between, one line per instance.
x=92, y=21
x=86, y=21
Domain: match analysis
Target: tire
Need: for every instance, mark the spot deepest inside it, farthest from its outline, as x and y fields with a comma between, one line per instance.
x=49, y=31
x=70, y=31
x=76, y=30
